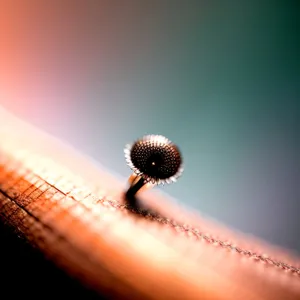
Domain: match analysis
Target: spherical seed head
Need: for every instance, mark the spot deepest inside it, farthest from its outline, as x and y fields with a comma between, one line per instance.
x=155, y=158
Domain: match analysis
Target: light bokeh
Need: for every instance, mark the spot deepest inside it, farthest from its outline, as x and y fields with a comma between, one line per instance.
x=220, y=80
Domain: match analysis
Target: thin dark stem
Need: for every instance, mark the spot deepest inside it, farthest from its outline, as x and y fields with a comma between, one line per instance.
x=135, y=187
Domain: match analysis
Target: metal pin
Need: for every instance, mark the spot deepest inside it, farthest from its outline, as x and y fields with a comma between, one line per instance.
x=154, y=160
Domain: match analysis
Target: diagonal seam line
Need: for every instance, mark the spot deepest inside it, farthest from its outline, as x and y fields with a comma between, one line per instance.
x=175, y=226
x=196, y=232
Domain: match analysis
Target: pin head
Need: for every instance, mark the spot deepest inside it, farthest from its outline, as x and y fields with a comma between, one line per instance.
x=155, y=158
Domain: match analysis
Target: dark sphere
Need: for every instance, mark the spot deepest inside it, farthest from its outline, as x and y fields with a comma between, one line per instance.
x=156, y=160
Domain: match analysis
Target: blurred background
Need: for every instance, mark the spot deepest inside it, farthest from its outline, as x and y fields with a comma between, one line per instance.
x=219, y=78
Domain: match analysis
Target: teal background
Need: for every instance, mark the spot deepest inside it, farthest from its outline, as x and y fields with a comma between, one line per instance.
x=220, y=79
